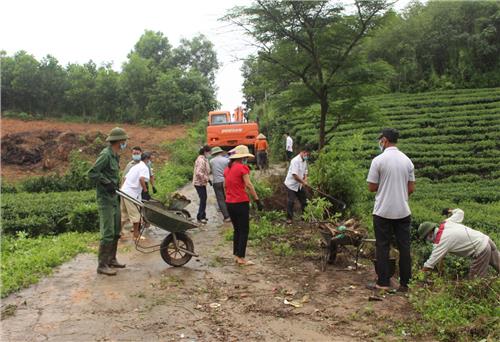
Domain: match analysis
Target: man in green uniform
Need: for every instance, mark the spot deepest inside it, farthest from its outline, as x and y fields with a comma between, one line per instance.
x=105, y=173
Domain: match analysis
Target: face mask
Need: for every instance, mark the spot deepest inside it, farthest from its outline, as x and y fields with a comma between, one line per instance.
x=123, y=146
x=305, y=158
x=136, y=157
x=244, y=161
x=149, y=163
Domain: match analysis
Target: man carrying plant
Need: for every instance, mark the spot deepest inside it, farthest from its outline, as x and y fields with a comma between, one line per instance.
x=453, y=237
x=105, y=173
x=295, y=181
x=392, y=178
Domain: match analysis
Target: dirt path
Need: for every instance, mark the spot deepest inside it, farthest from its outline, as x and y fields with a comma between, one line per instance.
x=149, y=138
x=209, y=299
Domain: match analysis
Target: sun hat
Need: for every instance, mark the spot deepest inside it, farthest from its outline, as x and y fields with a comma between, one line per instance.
x=261, y=136
x=117, y=134
x=240, y=151
x=425, y=228
x=216, y=150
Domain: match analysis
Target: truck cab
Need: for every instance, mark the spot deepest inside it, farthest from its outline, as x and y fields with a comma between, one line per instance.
x=228, y=130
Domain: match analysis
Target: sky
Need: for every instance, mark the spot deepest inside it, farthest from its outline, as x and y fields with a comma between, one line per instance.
x=76, y=31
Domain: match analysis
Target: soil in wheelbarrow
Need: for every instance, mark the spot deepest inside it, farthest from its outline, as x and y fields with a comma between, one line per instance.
x=284, y=297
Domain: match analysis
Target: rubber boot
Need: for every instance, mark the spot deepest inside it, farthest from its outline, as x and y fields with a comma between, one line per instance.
x=104, y=256
x=113, y=262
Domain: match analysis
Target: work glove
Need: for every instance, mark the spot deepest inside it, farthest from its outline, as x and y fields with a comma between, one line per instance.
x=110, y=187
x=145, y=196
x=154, y=190
x=259, y=205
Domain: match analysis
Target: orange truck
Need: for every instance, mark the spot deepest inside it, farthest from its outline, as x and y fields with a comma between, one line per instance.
x=228, y=130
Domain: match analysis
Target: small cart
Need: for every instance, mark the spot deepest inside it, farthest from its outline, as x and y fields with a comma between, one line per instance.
x=333, y=237
x=177, y=248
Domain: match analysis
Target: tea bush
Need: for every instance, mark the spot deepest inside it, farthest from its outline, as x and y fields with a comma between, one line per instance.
x=76, y=179
x=49, y=213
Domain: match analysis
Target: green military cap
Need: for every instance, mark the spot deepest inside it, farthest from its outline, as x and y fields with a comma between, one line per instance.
x=117, y=134
x=425, y=228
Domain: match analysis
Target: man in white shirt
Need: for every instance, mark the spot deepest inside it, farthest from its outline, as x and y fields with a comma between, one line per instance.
x=453, y=237
x=295, y=181
x=135, y=186
x=288, y=147
x=392, y=177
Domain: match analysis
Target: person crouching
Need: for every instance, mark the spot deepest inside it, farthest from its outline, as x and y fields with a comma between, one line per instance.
x=453, y=237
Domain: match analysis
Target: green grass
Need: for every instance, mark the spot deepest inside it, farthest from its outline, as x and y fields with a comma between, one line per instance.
x=25, y=260
x=458, y=311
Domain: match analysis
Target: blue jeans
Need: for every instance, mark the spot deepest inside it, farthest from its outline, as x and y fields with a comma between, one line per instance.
x=202, y=194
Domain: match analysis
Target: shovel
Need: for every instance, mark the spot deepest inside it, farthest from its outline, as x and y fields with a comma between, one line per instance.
x=331, y=198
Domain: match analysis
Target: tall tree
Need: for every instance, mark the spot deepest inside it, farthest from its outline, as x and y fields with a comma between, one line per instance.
x=153, y=45
x=314, y=41
x=25, y=82
x=53, y=84
x=197, y=53
x=80, y=95
x=108, y=94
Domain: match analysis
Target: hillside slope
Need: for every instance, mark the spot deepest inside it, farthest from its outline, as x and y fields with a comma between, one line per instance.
x=453, y=139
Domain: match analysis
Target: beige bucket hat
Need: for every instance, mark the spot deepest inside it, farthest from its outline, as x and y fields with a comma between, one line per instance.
x=240, y=151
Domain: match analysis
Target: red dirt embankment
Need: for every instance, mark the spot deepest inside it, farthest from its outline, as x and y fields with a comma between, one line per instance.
x=31, y=148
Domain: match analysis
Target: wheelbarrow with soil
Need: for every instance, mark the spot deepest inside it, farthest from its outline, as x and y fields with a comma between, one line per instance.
x=343, y=235
x=334, y=237
x=177, y=248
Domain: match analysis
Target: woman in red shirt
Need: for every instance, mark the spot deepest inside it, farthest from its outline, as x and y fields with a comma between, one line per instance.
x=237, y=181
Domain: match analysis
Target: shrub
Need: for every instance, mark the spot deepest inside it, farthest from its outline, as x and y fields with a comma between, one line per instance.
x=52, y=213
x=76, y=179
x=337, y=172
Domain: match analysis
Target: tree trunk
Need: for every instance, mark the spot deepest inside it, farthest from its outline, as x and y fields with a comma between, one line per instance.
x=322, y=121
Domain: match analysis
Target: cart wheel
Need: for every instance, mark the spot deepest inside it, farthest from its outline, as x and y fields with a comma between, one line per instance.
x=171, y=255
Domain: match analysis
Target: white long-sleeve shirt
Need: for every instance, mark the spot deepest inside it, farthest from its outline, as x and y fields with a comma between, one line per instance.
x=289, y=143
x=454, y=237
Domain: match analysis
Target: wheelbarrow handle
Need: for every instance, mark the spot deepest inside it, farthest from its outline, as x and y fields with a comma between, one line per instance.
x=130, y=198
x=342, y=203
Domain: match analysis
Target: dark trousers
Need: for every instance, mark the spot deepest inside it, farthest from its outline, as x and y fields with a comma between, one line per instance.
x=385, y=230
x=292, y=195
x=240, y=216
x=202, y=194
x=262, y=160
x=220, y=195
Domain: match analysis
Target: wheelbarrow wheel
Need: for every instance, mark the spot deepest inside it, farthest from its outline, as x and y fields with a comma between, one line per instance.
x=172, y=255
